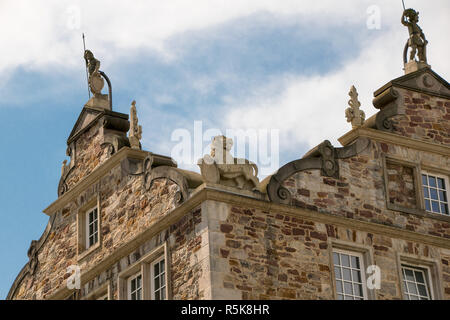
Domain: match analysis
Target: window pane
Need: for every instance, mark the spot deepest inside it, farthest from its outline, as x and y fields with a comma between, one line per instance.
x=347, y=275
x=412, y=288
x=156, y=269
x=433, y=194
x=424, y=180
x=157, y=296
x=409, y=275
x=138, y=279
x=422, y=290
x=432, y=181
x=340, y=297
x=356, y=276
x=358, y=290
x=441, y=183
x=444, y=208
x=156, y=283
x=428, y=205
x=163, y=280
x=348, y=288
x=162, y=265
x=163, y=294
x=337, y=272
x=133, y=285
x=336, y=259
x=425, y=192
x=413, y=298
x=339, y=288
x=435, y=206
x=345, y=259
x=348, y=298
x=442, y=196
x=138, y=297
x=419, y=277
x=355, y=262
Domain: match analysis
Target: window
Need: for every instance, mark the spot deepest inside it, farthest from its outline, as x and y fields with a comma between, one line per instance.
x=135, y=287
x=91, y=227
x=435, y=193
x=147, y=278
x=349, y=274
x=416, y=284
x=158, y=278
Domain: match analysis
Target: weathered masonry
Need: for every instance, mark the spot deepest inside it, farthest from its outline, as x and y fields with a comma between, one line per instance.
x=139, y=227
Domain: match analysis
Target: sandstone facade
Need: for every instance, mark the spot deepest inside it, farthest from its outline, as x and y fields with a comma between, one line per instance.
x=277, y=240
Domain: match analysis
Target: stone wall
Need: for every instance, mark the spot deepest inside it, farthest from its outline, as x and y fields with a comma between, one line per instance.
x=126, y=210
x=425, y=117
x=186, y=241
x=268, y=255
x=359, y=192
x=89, y=154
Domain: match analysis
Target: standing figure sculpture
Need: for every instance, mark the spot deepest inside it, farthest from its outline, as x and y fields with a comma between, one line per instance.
x=416, y=41
x=96, y=82
x=135, y=134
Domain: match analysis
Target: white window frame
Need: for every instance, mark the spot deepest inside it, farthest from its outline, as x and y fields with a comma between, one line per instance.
x=144, y=266
x=446, y=180
x=152, y=277
x=103, y=297
x=362, y=271
x=141, y=288
x=428, y=279
x=96, y=231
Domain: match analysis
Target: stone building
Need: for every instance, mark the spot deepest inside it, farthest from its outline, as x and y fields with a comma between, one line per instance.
x=322, y=227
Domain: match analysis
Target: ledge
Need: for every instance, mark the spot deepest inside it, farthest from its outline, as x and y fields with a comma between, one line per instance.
x=388, y=137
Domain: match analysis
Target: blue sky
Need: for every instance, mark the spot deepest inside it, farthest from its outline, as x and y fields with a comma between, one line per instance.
x=283, y=65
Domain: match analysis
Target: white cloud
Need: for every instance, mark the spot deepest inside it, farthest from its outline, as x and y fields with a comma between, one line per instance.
x=39, y=34
x=311, y=109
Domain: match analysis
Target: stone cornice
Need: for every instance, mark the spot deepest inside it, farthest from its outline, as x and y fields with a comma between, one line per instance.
x=388, y=137
x=94, y=176
x=206, y=192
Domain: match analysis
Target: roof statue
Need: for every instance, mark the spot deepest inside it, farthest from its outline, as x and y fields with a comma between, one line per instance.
x=416, y=42
x=96, y=82
x=220, y=167
x=353, y=113
x=135, y=134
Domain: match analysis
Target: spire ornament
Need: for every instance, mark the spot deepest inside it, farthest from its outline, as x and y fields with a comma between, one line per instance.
x=135, y=134
x=354, y=114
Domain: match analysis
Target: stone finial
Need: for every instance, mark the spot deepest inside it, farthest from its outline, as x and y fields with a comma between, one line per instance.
x=416, y=42
x=220, y=167
x=354, y=114
x=135, y=134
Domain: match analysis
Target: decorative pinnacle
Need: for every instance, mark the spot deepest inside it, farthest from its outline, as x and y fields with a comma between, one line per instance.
x=354, y=114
